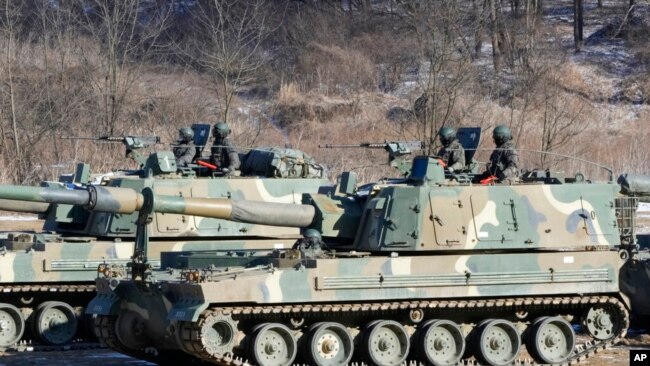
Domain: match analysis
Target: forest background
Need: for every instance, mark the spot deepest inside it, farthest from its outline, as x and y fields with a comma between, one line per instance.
x=570, y=77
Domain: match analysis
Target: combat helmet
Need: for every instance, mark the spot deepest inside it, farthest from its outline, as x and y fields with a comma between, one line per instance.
x=185, y=134
x=221, y=129
x=501, y=134
x=447, y=135
x=312, y=234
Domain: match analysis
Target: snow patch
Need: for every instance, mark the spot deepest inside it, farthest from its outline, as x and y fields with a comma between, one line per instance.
x=643, y=207
x=18, y=218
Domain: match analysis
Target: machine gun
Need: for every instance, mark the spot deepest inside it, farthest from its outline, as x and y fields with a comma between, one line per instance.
x=132, y=143
x=397, y=152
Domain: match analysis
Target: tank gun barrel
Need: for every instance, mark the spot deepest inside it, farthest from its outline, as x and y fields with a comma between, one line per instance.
x=22, y=206
x=252, y=212
x=636, y=185
x=105, y=199
x=126, y=200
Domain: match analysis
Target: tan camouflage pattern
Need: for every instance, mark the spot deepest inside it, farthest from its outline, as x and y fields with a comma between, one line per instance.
x=407, y=278
x=55, y=258
x=424, y=241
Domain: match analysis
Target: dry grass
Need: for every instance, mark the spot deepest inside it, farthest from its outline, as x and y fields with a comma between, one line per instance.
x=330, y=94
x=289, y=94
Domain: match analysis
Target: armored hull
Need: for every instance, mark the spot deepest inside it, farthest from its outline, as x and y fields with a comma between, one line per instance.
x=432, y=269
x=47, y=279
x=635, y=283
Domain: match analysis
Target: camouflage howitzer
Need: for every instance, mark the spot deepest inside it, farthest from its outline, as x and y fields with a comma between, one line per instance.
x=51, y=273
x=429, y=270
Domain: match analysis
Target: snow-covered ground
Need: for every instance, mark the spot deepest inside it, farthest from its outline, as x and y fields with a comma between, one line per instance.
x=18, y=218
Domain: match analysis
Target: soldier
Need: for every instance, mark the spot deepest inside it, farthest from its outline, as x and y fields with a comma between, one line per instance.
x=223, y=153
x=452, y=152
x=184, y=150
x=503, y=161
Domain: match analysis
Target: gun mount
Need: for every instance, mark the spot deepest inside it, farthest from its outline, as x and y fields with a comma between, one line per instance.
x=397, y=151
x=133, y=144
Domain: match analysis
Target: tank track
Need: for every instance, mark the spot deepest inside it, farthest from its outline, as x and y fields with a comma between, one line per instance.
x=23, y=295
x=105, y=332
x=581, y=351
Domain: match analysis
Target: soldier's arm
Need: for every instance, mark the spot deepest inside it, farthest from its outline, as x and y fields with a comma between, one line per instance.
x=511, y=161
x=188, y=156
x=232, y=155
x=457, y=159
x=234, y=159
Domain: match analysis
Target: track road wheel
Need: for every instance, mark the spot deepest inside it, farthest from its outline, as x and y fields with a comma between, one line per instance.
x=550, y=340
x=496, y=342
x=328, y=344
x=601, y=322
x=386, y=342
x=129, y=330
x=216, y=335
x=54, y=323
x=12, y=325
x=272, y=344
x=440, y=343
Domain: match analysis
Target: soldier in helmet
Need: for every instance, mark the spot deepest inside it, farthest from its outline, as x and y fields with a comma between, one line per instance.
x=452, y=152
x=223, y=153
x=184, y=150
x=311, y=243
x=503, y=161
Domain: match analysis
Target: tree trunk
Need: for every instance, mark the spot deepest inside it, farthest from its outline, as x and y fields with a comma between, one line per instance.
x=496, y=47
x=577, y=24
x=478, y=32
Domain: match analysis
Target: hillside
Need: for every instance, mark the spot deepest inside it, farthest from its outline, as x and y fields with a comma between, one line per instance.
x=306, y=73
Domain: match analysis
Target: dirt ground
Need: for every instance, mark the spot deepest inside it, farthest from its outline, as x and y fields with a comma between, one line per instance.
x=618, y=355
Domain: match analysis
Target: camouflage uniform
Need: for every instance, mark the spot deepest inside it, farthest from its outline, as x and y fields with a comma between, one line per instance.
x=184, y=152
x=453, y=155
x=224, y=155
x=504, y=162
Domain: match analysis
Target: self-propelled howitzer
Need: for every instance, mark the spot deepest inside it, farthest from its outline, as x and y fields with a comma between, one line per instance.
x=47, y=278
x=429, y=269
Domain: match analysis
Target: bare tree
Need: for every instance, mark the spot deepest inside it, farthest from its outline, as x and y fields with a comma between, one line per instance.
x=120, y=41
x=495, y=31
x=10, y=18
x=229, y=35
x=11, y=34
x=447, y=61
x=578, y=16
x=562, y=118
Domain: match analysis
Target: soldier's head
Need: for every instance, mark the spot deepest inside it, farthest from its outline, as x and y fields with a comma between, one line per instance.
x=185, y=134
x=501, y=135
x=220, y=130
x=446, y=135
x=312, y=234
